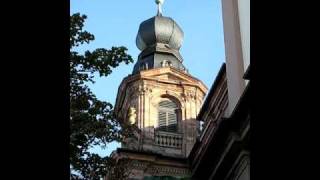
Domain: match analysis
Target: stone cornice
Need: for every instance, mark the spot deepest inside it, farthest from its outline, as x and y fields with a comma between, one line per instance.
x=151, y=75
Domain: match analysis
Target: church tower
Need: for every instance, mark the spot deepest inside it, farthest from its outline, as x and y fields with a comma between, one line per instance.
x=160, y=98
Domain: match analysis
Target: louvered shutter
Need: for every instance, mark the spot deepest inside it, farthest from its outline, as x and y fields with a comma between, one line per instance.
x=162, y=120
x=167, y=116
x=172, y=121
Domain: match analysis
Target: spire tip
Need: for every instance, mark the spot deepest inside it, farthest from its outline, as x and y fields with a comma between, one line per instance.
x=159, y=3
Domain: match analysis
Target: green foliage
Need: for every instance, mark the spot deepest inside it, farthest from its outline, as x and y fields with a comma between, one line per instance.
x=92, y=121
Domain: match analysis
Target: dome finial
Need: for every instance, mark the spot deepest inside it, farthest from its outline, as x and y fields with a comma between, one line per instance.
x=159, y=3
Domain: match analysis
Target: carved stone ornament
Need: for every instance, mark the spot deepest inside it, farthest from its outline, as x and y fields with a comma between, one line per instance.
x=132, y=115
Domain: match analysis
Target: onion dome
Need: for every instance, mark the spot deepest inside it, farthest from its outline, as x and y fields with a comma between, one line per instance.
x=159, y=30
x=159, y=39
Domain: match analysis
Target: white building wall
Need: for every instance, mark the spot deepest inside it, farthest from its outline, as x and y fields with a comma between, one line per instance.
x=244, y=20
x=233, y=49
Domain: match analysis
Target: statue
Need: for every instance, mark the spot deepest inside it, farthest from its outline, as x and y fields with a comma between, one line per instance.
x=132, y=115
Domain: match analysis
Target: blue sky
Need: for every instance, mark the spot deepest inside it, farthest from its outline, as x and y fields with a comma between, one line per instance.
x=116, y=23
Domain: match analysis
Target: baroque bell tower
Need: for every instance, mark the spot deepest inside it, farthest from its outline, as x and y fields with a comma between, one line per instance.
x=160, y=98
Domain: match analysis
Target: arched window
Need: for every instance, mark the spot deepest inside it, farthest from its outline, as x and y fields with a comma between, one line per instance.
x=143, y=66
x=168, y=116
x=166, y=63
